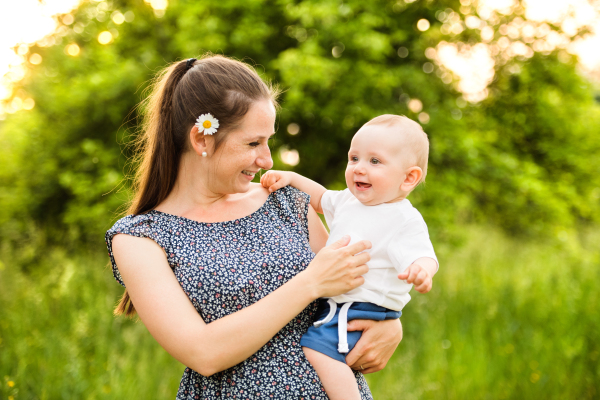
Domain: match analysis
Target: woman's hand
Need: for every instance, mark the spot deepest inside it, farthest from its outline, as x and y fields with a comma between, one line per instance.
x=376, y=345
x=338, y=268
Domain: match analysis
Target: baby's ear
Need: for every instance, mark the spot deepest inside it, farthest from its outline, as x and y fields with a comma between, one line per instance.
x=412, y=179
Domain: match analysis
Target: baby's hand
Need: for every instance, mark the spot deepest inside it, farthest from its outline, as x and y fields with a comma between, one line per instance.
x=274, y=180
x=418, y=276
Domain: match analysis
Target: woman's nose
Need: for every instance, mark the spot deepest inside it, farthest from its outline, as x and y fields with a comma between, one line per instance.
x=264, y=161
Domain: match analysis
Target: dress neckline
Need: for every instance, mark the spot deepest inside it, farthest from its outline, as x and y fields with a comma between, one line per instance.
x=231, y=221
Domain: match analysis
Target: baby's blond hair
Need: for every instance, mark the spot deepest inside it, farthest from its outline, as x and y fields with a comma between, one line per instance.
x=414, y=138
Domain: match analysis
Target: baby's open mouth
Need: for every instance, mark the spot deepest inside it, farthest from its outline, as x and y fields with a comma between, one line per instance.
x=362, y=185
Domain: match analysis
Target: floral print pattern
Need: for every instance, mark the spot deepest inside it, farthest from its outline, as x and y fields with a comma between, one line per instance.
x=226, y=266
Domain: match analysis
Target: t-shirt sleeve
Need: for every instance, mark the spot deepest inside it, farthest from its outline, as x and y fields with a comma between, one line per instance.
x=410, y=243
x=330, y=200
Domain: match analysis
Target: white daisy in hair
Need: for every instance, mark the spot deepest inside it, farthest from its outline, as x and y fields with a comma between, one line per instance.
x=207, y=123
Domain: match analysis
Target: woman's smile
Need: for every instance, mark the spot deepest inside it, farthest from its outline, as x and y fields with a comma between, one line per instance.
x=249, y=174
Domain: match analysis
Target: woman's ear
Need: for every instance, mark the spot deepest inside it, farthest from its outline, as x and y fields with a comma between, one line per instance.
x=412, y=179
x=198, y=140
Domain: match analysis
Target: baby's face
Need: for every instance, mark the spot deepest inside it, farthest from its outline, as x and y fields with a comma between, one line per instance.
x=376, y=168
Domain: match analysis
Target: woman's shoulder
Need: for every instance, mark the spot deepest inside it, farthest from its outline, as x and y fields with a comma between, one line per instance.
x=131, y=223
x=292, y=197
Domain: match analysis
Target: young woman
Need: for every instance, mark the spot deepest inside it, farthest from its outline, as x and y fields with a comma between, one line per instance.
x=222, y=273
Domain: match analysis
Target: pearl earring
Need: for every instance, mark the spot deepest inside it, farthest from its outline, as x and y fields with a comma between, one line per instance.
x=204, y=154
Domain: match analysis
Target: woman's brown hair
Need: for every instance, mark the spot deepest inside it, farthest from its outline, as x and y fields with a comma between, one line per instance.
x=184, y=90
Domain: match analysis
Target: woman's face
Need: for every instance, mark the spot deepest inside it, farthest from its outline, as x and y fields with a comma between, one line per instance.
x=244, y=151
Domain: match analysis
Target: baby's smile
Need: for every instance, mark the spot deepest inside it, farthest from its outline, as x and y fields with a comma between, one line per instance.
x=362, y=185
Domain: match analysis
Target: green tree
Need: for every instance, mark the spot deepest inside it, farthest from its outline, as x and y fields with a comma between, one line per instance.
x=522, y=159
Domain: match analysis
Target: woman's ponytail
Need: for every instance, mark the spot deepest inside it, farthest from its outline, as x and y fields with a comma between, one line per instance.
x=159, y=151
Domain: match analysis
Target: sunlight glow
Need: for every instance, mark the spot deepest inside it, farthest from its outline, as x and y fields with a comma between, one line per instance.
x=24, y=21
x=474, y=66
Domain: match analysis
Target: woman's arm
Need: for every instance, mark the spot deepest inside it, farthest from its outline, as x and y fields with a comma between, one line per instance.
x=317, y=233
x=209, y=348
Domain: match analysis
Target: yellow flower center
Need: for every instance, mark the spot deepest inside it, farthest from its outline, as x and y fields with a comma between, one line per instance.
x=206, y=124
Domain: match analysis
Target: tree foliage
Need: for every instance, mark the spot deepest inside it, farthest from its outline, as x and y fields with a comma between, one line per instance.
x=524, y=158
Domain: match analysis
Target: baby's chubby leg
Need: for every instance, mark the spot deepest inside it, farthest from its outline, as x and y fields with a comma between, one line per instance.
x=337, y=378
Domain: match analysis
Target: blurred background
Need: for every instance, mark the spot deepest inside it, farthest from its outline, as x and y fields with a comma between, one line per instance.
x=507, y=90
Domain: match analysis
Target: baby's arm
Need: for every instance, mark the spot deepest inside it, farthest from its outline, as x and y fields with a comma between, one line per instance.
x=420, y=273
x=274, y=180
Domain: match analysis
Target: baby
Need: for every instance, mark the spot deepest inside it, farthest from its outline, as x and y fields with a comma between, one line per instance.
x=386, y=161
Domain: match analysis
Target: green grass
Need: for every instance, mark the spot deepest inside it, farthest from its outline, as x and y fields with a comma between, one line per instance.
x=507, y=319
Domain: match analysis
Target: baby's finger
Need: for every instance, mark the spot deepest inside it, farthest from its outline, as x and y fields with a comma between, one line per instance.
x=424, y=287
x=269, y=180
x=421, y=277
x=403, y=275
x=412, y=275
x=266, y=179
x=276, y=186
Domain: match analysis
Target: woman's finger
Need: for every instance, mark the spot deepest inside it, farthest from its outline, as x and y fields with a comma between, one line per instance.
x=360, y=270
x=361, y=259
x=359, y=247
x=343, y=242
x=375, y=346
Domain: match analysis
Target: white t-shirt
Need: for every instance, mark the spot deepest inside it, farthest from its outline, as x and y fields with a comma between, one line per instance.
x=398, y=235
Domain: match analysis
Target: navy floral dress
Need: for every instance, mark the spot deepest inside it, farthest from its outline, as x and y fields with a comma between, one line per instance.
x=226, y=266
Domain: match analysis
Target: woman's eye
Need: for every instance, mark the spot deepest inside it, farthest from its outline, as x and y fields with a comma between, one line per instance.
x=375, y=161
x=254, y=144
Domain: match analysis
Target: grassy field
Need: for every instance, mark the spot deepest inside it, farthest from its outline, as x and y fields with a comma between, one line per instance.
x=507, y=319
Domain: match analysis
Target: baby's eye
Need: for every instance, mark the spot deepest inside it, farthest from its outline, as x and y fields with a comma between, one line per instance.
x=353, y=159
x=375, y=161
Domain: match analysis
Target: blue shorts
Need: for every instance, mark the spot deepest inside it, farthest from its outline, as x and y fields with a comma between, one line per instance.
x=324, y=339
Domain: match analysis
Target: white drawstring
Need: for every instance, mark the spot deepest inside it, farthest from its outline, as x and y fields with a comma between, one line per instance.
x=342, y=323
x=343, y=328
x=329, y=317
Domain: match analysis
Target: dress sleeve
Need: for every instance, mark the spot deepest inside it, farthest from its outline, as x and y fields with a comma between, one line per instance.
x=410, y=243
x=135, y=225
x=295, y=203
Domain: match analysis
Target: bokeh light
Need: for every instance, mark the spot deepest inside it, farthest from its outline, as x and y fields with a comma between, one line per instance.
x=293, y=129
x=35, y=59
x=415, y=105
x=289, y=157
x=73, y=49
x=117, y=17
x=105, y=37
x=423, y=25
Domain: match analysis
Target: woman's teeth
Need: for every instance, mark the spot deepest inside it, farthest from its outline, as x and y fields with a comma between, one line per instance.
x=248, y=173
